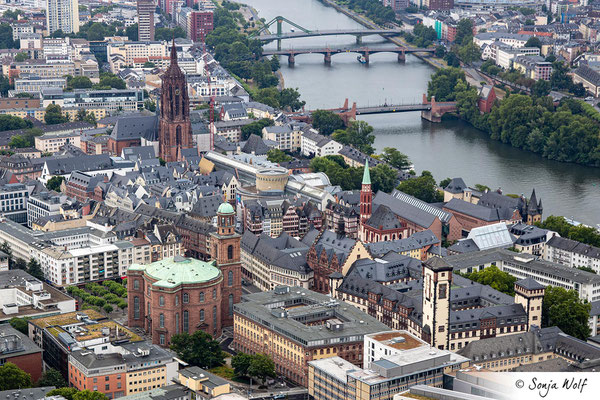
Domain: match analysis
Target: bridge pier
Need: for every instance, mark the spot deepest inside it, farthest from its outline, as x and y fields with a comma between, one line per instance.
x=291, y=59
x=327, y=58
x=402, y=57
x=278, y=44
x=430, y=116
x=358, y=39
x=366, y=56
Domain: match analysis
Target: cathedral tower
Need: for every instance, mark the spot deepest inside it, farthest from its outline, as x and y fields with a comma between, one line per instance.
x=175, y=129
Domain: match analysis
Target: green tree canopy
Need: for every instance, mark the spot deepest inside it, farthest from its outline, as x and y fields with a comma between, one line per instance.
x=358, y=134
x=66, y=392
x=13, y=377
x=422, y=187
x=338, y=171
x=54, y=183
x=240, y=363
x=442, y=84
x=278, y=156
x=34, y=269
x=52, y=378
x=383, y=177
x=395, y=158
x=22, y=56
x=54, y=115
x=261, y=367
x=89, y=395
x=9, y=123
x=494, y=277
x=132, y=32
x=20, y=324
x=79, y=82
x=326, y=122
x=198, y=349
x=564, y=308
x=533, y=42
x=255, y=128
x=6, y=37
x=289, y=98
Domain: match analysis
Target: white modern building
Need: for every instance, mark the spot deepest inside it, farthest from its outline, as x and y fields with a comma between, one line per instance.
x=572, y=253
x=314, y=144
x=62, y=15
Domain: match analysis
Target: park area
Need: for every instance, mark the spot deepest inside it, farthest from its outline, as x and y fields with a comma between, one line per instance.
x=110, y=296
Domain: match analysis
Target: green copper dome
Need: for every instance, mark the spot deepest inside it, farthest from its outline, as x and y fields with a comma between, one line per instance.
x=172, y=272
x=225, y=208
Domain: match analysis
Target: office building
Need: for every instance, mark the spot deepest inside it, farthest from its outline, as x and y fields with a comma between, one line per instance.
x=145, y=12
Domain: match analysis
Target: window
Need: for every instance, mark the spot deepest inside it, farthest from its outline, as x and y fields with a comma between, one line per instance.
x=177, y=323
x=162, y=320
x=230, y=252
x=107, y=386
x=186, y=298
x=186, y=321
x=201, y=297
x=162, y=339
x=136, y=284
x=106, y=378
x=443, y=290
x=161, y=301
x=214, y=293
x=215, y=317
x=201, y=315
x=177, y=300
x=136, y=307
x=230, y=278
x=230, y=305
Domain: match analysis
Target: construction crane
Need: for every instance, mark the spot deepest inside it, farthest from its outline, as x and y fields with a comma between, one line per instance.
x=211, y=114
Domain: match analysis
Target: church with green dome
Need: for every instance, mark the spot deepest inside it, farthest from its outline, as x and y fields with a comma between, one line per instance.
x=178, y=294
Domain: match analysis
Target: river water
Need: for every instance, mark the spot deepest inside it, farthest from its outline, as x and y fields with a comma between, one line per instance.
x=450, y=149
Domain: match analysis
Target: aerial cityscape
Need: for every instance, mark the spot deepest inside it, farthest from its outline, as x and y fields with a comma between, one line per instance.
x=299, y=199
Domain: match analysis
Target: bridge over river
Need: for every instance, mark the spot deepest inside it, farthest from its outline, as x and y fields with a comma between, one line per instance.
x=364, y=51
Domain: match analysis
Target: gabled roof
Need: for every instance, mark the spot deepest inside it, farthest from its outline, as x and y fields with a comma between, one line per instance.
x=136, y=127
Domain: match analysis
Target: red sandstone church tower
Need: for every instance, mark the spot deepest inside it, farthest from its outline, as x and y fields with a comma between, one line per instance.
x=225, y=249
x=175, y=129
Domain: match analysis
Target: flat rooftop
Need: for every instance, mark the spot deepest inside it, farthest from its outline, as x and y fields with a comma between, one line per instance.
x=397, y=340
x=66, y=319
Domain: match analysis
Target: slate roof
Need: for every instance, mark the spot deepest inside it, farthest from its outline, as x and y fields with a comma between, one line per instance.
x=255, y=145
x=463, y=246
x=207, y=206
x=530, y=284
x=456, y=185
x=333, y=244
x=136, y=127
x=588, y=74
x=474, y=210
x=284, y=251
x=574, y=246
x=62, y=166
x=139, y=153
x=411, y=208
x=384, y=219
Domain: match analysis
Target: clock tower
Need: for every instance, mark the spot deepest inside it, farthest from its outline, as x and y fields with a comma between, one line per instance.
x=175, y=130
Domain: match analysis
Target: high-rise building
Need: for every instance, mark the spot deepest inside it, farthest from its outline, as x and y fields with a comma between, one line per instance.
x=62, y=15
x=145, y=12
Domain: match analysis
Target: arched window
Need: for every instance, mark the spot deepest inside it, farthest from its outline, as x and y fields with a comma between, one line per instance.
x=202, y=315
x=148, y=308
x=162, y=320
x=161, y=301
x=136, y=307
x=186, y=298
x=176, y=300
x=230, y=252
x=136, y=284
x=230, y=305
x=178, y=140
x=230, y=278
x=214, y=293
x=201, y=297
x=177, y=323
x=186, y=321
x=215, y=318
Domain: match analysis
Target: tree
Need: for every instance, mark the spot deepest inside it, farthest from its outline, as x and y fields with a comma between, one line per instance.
x=469, y=52
x=261, y=367
x=79, y=82
x=494, y=277
x=326, y=122
x=358, y=134
x=587, y=269
x=423, y=187
x=383, y=178
x=533, y=42
x=442, y=84
x=255, y=128
x=198, y=349
x=55, y=182
x=89, y=395
x=22, y=56
x=34, y=269
x=168, y=34
x=290, y=98
x=464, y=31
x=54, y=115
x=52, y=378
x=564, y=308
x=13, y=377
x=150, y=105
x=108, y=308
x=9, y=123
x=66, y=392
x=132, y=32
x=149, y=64
x=541, y=88
x=277, y=156
x=275, y=63
x=440, y=51
x=20, y=324
x=6, y=37
x=240, y=363
x=19, y=263
x=482, y=188
x=395, y=158
x=445, y=182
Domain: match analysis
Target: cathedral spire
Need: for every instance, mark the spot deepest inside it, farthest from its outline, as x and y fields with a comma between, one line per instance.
x=366, y=174
x=173, y=52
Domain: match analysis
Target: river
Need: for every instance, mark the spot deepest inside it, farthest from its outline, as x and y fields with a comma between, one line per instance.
x=450, y=149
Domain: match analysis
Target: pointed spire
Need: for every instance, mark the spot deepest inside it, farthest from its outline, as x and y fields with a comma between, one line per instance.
x=366, y=174
x=173, y=52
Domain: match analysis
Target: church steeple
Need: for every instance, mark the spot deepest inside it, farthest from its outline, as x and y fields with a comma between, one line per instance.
x=175, y=130
x=366, y=198
x=366, y=174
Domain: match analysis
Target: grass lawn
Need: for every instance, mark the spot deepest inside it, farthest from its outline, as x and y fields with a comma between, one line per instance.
x=223, y=371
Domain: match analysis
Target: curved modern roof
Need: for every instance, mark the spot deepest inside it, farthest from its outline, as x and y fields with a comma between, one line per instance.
x=175, y=271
